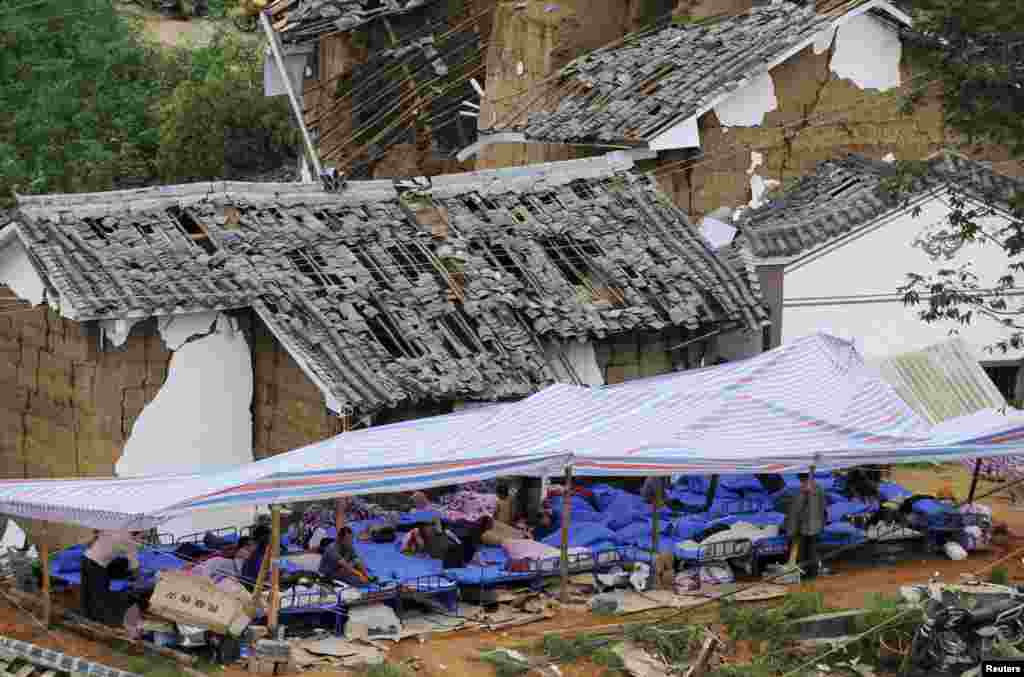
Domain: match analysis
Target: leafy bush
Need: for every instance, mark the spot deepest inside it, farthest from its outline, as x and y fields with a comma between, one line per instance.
x=217, y=89
x=999, y=576
x=74, y=106
x=87, y=103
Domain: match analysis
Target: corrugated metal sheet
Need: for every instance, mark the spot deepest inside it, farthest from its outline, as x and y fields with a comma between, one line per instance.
x=942, y=381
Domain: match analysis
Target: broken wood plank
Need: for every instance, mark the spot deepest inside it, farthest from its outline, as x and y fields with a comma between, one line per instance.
x=73, y=622
x=700, y=666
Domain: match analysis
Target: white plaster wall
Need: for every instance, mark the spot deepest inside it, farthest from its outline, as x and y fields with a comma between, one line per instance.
x=852, y=291
x=867, y=52
x=17, y=272
x=581, y=356
x=201, y=419
x=749, y=104
x=684, y=135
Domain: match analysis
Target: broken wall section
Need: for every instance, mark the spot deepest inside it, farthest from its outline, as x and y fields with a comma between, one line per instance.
x=66, y=408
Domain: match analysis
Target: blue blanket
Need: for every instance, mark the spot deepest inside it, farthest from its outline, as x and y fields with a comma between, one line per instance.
x=581, y=535
x=837, y=512
x=890, y=491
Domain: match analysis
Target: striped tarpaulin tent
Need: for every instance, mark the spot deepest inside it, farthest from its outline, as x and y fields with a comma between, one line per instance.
x=811, y=402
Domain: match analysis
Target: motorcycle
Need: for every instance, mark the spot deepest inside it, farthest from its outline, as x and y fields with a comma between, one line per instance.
x=953, y=639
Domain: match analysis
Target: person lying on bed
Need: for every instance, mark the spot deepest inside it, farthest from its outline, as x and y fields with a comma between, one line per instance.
x=341, y=562
x=221, y=566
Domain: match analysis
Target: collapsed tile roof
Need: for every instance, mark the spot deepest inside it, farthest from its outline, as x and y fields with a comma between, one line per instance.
x=843, y=194
x=388, y=293
x=300, y=21
x=631, y=92
x=436, y=62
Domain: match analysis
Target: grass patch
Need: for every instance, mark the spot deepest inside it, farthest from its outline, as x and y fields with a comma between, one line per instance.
x=385, y=670
x=999, y=576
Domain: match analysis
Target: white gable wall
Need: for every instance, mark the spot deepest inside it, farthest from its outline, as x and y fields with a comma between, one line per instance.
x=851, y=290
x=18, y=273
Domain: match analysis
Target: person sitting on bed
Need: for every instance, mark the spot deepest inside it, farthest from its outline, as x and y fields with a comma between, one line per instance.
x=341, y=562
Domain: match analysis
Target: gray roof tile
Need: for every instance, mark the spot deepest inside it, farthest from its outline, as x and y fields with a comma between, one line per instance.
x=629, y=93
x=841, y=195
x=356, y=284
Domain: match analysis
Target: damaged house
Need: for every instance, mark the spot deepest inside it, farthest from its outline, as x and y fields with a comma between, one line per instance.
x=815, y=242
x=191, y=327
x=383, y=84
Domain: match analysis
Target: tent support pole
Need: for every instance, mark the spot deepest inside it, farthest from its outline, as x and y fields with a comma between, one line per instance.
x=275, y=570
x=974, y=481
x=709, y=500
x=566, y=516
x=659, y=499
x=44, y=560
x=340, y=512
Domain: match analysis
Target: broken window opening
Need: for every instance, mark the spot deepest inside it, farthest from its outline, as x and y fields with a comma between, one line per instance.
x=500, y=256
x=560, y=251
x=582, y=189
x=387, y=334
x=329, y=279
x=449, y=346
x=843, y=187
x=371, y=267
x=405, y=264
x=191, y=229
x=549, y=199
x=302, y=264
x=529, y=206
x=100, y=230
x=477, y=210
x=456, y=324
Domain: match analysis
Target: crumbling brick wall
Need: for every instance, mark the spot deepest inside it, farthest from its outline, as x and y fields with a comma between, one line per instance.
x=66, y=408
x=288, y=409
x=842, y=117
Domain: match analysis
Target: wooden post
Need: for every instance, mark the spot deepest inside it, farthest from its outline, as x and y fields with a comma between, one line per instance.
x=659, y=497
x=44, y=559
x=974, y=481
x=275, y=570
x=340, y=512
x=566, y=516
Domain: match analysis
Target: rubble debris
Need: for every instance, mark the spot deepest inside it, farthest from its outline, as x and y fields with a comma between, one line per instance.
x=638, y=663
x=56, y=660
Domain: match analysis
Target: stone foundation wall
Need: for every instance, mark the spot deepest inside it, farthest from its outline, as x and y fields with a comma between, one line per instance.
x=66, y=408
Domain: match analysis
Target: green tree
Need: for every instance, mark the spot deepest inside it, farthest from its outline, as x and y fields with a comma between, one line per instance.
x=975, y=49
x=74, y=100
x=210, y=92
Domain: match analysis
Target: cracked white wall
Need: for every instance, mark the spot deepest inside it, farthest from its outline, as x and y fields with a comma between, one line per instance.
x=581, y=358
x=758, y=185
x=201, y=419
x=867, y=52
x=748, y=106
x=17, y=272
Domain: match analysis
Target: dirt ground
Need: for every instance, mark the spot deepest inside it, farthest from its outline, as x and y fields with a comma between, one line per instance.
x=456, y=653
x=178, y=32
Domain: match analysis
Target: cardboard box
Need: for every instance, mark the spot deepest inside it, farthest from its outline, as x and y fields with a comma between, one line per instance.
x=195, y=600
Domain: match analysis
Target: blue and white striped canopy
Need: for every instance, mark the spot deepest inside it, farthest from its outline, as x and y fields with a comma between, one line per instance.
x=811, y=402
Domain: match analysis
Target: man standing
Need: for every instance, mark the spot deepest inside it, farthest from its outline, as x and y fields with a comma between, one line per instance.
x=806, y=520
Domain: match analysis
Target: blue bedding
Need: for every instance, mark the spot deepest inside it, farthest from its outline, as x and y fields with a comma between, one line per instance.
x=840, y=511
x=387, y=563
x=890, y=491
x=741, y=484
x=769, y=518
x=928, y=506
x=841, y=534
x=581, y=535
x=605, y=496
